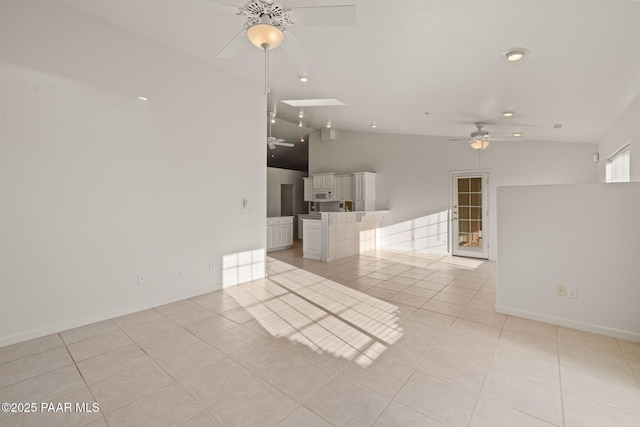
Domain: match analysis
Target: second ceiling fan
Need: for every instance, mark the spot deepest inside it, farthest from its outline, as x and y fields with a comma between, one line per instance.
x=273, y=142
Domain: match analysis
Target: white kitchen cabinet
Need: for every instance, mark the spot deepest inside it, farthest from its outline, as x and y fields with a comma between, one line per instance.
x=312, y=242
x=342, y=189
x=279, y=233
x=308, y=189
x=323, y=181
x=364, y=191
x=287, y=231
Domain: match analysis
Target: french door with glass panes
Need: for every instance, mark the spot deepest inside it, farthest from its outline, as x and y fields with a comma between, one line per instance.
x=469, y=214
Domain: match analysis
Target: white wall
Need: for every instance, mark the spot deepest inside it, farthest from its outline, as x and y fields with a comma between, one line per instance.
x=584, y=236
x=413, y=175
x=98, y=186
x=277, y=177
x=625, y=131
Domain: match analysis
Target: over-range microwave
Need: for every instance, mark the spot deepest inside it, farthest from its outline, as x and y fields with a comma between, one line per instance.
x=322, y=195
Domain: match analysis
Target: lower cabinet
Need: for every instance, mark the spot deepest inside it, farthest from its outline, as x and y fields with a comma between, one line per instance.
x=279, y=233
x=312, y=242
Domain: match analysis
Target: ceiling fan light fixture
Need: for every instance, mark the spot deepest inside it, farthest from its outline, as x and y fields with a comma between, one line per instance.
x=507, y=114
x=480, y=144
x=517, y=134
x=265, y=36
x=304, y=79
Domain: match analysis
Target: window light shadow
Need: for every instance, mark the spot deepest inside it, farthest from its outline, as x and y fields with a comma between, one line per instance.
x=243, y=267
x=428, y=233
x=310, y=310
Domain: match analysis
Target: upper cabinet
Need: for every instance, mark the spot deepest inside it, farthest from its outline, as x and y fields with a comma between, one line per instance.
x=359, y=187
x=364, y=191
x=323, y=181
x=342, y=187
x=308, y=189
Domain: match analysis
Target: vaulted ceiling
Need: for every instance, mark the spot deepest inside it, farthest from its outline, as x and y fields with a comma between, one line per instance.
x=425, y=67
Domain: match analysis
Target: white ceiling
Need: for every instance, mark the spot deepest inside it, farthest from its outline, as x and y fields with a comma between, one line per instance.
x=444, y=57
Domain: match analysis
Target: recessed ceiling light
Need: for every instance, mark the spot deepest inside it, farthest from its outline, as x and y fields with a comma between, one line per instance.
x=516, y=54
x=517, y=134
x=374, y=125
x=273, y=155
x=302, y=139
x=304, y=79
x=328, y=125
x=142, y=98
x=329, y=102
x=301, y=114
x=300, y=124
x=508, y=114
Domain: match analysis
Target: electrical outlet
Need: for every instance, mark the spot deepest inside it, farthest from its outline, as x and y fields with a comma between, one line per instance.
x=560, y=291
x=184, y=272
x=212, y=265
x=572, y=292
x=142, y=279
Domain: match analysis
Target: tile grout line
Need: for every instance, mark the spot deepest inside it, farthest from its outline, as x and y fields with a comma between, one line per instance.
x=84, y=380
x=627, y=359
x=557, y=332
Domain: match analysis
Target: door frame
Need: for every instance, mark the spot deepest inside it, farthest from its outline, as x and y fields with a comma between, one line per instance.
x=454, y=249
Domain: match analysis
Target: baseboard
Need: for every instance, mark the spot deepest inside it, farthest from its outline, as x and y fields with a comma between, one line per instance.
x=575, y=324
x=87, y=320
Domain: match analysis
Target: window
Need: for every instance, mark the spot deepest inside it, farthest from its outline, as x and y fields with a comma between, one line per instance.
x=617, y=169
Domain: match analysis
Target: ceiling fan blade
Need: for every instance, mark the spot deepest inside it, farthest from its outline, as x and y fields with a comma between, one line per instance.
x=458, y=139
x=272, y=145
x=234, y=46
x=294, y=49
x=284, y=144
x=324, y=15
x=215, y=5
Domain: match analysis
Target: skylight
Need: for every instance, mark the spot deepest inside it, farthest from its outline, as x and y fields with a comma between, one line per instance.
x=329, y=102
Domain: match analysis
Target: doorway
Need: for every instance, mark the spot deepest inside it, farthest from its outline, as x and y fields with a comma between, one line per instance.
x=287, y=202
x=470, y=214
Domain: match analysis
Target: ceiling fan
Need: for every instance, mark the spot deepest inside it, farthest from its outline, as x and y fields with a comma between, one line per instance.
x=267, y=22
x=274, y=142
x=480, y=138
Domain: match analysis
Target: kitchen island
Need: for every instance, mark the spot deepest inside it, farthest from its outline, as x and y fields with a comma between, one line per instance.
x=341, y=234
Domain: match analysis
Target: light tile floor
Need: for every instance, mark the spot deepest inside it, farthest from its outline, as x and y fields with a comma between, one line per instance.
x=384, y=339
